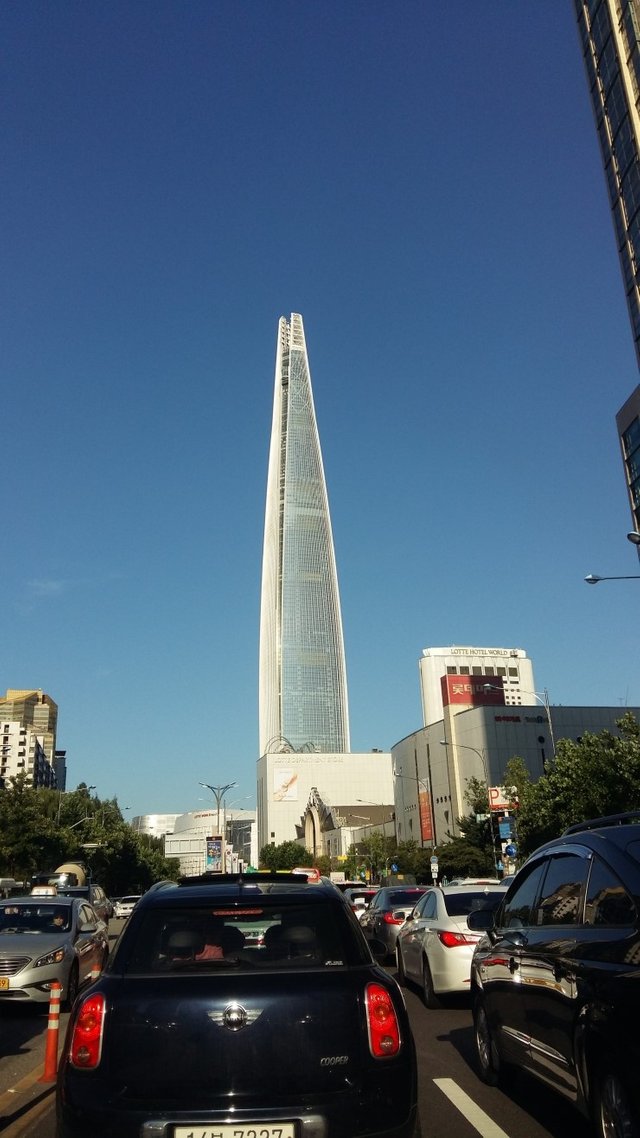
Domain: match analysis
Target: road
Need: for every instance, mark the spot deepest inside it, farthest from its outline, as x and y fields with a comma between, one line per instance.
x=453, y=1101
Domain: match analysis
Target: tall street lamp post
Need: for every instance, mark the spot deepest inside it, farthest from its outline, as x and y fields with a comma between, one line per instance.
x=218, y=793
x=481, y=755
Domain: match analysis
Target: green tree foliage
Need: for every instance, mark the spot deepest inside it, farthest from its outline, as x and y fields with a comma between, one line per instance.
x=596, y=775
x=285, y=856
x=39, y=829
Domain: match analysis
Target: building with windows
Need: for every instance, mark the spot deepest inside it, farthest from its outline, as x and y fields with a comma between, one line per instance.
x=628, y=423
x=432, y=766
x=33, y=708
x=476, y=670
x=610, y=39
x=303, y=684
x=22, y=751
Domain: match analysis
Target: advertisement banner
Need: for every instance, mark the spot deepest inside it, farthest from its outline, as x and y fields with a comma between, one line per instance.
x=214, y=855
x=426, y=826
x=479, y=691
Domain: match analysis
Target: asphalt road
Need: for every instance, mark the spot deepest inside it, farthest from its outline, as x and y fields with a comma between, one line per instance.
x=453, y=1101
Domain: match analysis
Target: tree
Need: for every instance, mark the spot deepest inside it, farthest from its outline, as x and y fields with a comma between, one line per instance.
x=589, y=777
x=285, y=856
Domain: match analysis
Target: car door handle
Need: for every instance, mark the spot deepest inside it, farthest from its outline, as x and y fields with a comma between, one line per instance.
x=513, y=964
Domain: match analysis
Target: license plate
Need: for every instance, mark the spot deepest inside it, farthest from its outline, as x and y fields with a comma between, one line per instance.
x=233, y=1130
x=4, y=983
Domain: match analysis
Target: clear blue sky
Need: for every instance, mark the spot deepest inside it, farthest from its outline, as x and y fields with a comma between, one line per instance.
x=423, y=183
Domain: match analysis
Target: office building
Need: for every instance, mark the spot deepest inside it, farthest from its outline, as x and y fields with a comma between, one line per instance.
x=303, y=685
x=610, y=38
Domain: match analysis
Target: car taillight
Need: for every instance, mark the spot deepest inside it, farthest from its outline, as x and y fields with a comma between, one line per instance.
x=86, y=1042
x=389, y=919
x=382, y=1022
x=453, y=940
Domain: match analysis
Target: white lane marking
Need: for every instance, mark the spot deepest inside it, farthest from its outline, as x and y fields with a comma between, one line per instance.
x=471, y=1111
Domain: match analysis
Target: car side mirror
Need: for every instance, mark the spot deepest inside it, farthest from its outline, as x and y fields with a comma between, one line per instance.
x=87, y=927
x=481, y=920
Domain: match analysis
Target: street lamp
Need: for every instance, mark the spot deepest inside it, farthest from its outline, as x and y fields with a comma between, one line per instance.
x=593, y=578
x=483, y=760
x=218, y=793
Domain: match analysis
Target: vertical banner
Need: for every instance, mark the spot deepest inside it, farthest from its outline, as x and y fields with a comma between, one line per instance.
x=426, y=828
x=214, y=855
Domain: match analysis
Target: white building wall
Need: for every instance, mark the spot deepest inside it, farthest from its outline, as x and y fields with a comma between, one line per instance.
x=511, y=665
x=190, y=833
x=286, y=780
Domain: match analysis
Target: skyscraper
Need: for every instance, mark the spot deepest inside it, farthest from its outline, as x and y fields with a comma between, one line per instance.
x=303, y=685
x=610, y=37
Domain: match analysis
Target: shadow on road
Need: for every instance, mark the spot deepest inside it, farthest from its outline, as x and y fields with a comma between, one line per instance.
x=21, y=1026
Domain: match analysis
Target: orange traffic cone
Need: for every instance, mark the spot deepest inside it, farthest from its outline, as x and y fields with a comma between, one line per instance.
x=53, y=1027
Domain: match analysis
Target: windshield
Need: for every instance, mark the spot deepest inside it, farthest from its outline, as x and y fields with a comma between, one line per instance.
x=461, y=904
x=34, y=918
x=404, y=897
x=255, y=936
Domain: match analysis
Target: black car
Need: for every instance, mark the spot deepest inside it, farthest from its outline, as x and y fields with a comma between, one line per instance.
x=555, y=981
x=252, y=1005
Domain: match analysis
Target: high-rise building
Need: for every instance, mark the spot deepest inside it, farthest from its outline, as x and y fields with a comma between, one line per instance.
x=303, y=684
x=33, y=708
x=610, y=38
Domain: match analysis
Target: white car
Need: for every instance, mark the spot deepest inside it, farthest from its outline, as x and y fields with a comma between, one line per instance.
x=435, y=945
x=123, y=906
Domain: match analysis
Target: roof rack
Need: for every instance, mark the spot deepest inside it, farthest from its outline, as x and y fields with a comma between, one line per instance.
x=600, y=823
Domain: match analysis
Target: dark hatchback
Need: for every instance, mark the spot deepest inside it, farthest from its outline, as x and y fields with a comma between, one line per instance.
x=555, y=982
x=252, y=1006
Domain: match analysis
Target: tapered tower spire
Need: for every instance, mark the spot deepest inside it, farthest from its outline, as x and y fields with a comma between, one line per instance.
x=303, y=685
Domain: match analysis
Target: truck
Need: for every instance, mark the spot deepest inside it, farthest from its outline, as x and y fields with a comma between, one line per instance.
x=69, y=874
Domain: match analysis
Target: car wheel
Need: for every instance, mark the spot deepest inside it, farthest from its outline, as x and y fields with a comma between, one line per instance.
x=489, y=1066
x=72, y=988
x=428, y=990
x=402, y=976
x=613, y=1115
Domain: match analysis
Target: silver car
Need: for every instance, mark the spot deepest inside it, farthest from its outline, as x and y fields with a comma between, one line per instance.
x=43, y=939
x=435, y=945
x=123, y=906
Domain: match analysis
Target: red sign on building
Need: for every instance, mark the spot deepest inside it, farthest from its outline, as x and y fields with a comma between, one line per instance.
x=426, y=816
x=478, y=691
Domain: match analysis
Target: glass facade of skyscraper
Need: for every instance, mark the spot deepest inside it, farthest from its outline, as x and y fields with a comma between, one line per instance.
x=303, y=688
x=610, y=37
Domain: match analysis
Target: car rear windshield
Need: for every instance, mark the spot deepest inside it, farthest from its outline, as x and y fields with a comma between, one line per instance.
x=461, y=904
x=252, y=936
x=404, y=897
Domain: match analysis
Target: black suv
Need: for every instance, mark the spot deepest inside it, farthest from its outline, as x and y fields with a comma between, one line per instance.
x=240, y=1006
x=555, y=981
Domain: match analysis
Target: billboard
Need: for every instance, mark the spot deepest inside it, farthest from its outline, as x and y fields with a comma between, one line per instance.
x=426, y=816
x=214, y=855
x=478, y=691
